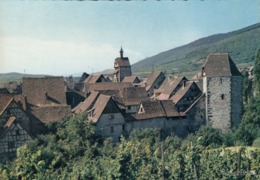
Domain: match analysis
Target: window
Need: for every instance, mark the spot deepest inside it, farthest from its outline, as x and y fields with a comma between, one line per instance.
x=17, y=132
x=221, y=80
x=111, y=129
x=128, y=107
x=111, y=116
x=222, y=96
x=123, y=127
x=10, y=144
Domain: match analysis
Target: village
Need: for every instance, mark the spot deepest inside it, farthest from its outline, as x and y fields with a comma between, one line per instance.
x=119, y=104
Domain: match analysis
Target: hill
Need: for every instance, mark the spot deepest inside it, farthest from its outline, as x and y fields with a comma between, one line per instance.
x=14, y=77
x=188, y=59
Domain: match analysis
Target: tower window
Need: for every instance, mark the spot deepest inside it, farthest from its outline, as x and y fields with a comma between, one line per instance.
x=111, y=129
x=222, y=96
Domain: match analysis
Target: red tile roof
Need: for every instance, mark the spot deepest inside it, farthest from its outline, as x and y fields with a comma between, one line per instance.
x=103, y=105
x=131, y=79
x=94, y=78
x=169, y=86
x=122, y=62
x=5, y=100
x=10, y=122
x=36, y=89
x=87, y=104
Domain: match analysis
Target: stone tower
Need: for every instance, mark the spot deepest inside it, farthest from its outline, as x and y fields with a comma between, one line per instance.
x=222, y=85
x=122, y=67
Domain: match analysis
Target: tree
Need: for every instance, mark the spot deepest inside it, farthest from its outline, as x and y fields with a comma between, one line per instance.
x=257, y=72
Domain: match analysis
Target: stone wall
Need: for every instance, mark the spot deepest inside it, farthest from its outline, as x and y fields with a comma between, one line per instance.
x=237, y=101
x=111, y=125
x=177, y=126
x=218, y=102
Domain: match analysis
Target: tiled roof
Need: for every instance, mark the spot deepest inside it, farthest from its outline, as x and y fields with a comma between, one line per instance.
x=47, y=90
x=157, y=109
x=152, y=78
x=220, y=65
x=5, y=100
x=87, y=104
x=122, y=62
x=103, y=105
x=168, y=86
x=132, y=95
x=94, y=78
x=107, y=86
x=179, y=94
x=131, y=79
x=10, y=122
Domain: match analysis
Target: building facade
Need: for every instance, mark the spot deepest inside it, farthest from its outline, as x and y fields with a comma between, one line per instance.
x=222, y=85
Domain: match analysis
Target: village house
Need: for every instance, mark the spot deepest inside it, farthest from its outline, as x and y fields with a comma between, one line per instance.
x=169, y=87
x=122, y=67
x=129, y=98
x=108, y=118
x=12, y=136
x=186, y=95
x=153, y=82
x=161, y=115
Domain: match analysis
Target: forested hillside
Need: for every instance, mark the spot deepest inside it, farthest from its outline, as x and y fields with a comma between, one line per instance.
x=186, y=60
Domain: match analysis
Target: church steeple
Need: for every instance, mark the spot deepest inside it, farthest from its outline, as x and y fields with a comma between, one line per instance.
x=121, y=53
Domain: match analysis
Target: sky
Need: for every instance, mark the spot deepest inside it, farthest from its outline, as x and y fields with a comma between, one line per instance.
x=68, y=37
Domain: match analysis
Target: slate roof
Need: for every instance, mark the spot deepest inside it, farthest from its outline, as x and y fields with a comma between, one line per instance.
x=86, y=104
x=103, y=105
x=157, y=109
x=122, y=62
x=219, y=65
x=131, y=79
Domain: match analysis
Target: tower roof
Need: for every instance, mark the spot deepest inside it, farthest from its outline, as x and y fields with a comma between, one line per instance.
x=220, y=65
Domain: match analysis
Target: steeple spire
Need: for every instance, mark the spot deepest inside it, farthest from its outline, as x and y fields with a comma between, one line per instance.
x=121, y=52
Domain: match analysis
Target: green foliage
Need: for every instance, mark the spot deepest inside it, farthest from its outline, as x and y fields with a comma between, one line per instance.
x=209, y=136
x=74, y=151
x=257, y=72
